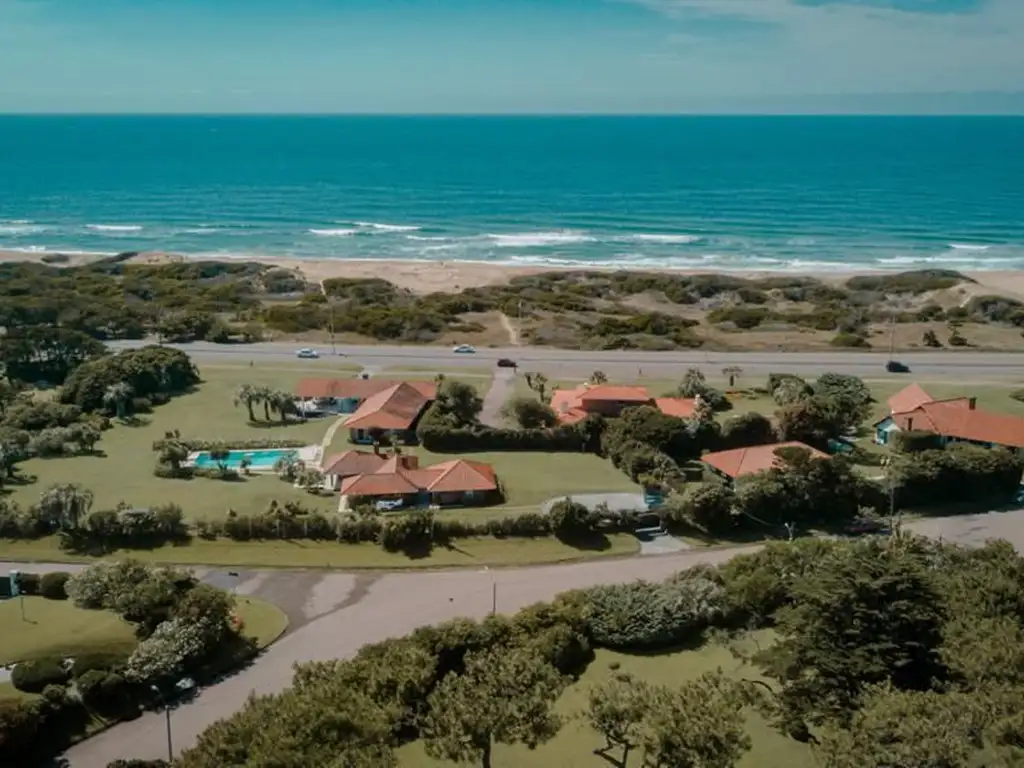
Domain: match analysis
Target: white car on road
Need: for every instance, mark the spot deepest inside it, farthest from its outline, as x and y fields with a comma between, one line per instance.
x=464, y=349
x=307, y=353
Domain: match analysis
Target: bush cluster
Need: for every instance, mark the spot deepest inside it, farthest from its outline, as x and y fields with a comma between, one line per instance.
x=152, y=372
x=34, y=676
x=441, y=439
x=961, y=472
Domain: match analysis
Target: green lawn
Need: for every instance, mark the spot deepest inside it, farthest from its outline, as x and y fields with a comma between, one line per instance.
x=574, y=745
x=58, y=628
x=328, y=554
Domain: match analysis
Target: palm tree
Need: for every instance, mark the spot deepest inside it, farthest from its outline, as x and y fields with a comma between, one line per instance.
x=67, y=504
x=732, y=372
x=247, y=395
x=264, y=395
x=538, y=382
x=117, y=397
x=282, y=403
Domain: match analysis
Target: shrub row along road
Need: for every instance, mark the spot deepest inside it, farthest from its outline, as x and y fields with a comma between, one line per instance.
x=333, y=614
x=618, y=363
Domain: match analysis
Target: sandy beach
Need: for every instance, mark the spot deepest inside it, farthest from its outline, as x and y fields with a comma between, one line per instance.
x=449, y=276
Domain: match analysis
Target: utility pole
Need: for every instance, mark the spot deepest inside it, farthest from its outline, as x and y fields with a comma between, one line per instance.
x=167, y=714
x=892, y=336
x=330, y=306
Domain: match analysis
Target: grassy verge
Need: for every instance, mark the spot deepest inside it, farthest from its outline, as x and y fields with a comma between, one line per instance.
x=317, y=554
x=574, y=745
x=58, y=628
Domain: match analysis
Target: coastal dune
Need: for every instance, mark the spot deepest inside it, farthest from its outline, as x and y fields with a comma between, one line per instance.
x=448, y=276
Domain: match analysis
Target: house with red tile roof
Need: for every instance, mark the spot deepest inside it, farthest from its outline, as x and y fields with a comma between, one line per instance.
x=346, y=395
x=348, y=464
x=955, y=420
x=389, y=415
x=399, y=477
x=742, y=462
x=573, y=405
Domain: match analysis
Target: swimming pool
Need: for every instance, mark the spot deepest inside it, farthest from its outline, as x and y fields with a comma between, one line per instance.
x=261, y=458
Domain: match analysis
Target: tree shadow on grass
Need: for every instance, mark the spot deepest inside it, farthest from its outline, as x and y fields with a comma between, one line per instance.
x=271, y=425
x=587, y=542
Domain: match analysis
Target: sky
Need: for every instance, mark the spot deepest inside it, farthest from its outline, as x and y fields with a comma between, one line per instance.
x=511, y=56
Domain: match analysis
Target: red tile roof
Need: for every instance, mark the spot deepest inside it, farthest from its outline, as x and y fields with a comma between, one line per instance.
x=400, y=476
x=570, y=405
x=956, y=419
x=909, y=398
x=394, y=408
x=353, y=463
x=357, y=389
x=681, y=407
x=757, y=458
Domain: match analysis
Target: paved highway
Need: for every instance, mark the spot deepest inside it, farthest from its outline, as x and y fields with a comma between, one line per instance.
x=333, y=614
x=941, y=364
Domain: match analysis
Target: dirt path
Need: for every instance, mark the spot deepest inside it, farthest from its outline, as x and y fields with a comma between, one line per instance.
x=511, y=330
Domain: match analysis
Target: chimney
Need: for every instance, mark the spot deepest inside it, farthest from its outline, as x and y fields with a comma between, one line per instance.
x=409, y=461
x=972, y=403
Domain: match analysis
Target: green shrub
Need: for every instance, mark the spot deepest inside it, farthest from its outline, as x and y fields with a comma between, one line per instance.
x=914, y=441
x=51, y=585
x=106, y=692
x=916, y=281
x=743, y=318
x=852, y=340
x=34, y=676
x=19, y=725
x=98, y=661
x=644, y=615
x=1018, y=395
x=569, y=519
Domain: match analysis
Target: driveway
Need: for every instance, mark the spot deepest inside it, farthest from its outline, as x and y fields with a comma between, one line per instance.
x=501, y=388
x=336, y=613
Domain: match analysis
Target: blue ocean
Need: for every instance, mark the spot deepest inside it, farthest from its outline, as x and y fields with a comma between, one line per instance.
x=712, y=193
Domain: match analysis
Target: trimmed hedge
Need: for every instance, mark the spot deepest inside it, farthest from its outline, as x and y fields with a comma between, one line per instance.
x=915, y=441
x=34, y=676
x=230, y=445
x=565, y=439
x=51, y=585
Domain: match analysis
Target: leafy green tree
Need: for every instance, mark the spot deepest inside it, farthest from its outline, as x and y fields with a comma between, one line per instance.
x=457, y=404
x=529, y=413
x=648, y=425
x=117, y=397
x=869, y=614
x=747, y=429
x=208, y=606
x=503, y=696
x=67, y=504
x=700, y=725
x=788, y=389
x=8, y=395
x=618, y=710
x=908, y=729
x=598, y=377
x=708, y=507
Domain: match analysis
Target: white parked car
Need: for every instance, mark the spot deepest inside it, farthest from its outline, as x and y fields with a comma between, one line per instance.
x=464, y=349
x=389, y=505
x=308, y=353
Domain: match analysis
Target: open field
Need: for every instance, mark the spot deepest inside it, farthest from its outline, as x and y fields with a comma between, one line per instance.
x=574, y=745
x=328, y=554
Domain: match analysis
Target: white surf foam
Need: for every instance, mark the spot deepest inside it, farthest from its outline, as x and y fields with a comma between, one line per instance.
x=538, y=239
x=114, y=227
x=428, y=238
x=660, y=239
x=333, y=232
x=968, y=247
x=20, y=228
x=378, y=227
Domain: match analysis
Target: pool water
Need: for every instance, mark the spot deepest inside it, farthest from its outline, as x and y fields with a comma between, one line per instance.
x=262, y=458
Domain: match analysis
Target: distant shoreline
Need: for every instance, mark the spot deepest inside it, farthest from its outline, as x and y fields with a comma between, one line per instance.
x=449, y=276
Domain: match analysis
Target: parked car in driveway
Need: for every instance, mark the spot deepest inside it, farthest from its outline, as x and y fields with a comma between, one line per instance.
x=464, y=349
x=389, y=505
x=504, y=362
x=307, y=353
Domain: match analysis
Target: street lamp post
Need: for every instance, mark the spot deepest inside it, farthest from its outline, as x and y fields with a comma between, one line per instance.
x=167, y=714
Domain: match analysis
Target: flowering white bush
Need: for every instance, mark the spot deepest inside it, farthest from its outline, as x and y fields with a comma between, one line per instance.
x=166, y=653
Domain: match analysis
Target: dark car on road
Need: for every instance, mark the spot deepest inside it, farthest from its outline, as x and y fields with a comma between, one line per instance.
x=506, y=363
x=865, y=525
x=894, y=366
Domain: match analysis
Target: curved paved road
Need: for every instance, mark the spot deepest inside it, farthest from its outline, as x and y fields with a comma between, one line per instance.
x=335, y=613
x=933, y=364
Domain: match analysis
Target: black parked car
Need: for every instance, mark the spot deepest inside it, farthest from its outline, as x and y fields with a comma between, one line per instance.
x=506, y=363
x=895, y=367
